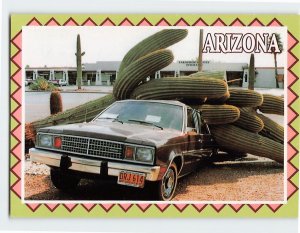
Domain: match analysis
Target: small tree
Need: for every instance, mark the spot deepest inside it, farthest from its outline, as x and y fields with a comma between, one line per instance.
x=78, y=55
x=280, y=46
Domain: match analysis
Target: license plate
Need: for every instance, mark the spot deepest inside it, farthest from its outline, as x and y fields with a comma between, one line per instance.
x=131, y=179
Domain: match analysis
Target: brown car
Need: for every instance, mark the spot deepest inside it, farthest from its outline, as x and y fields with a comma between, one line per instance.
x=136, y=141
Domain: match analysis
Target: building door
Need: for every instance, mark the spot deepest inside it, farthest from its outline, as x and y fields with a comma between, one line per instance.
x=235, y=78
x=72, y=77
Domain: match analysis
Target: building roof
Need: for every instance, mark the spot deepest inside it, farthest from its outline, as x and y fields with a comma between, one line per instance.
x=175, y=66
x=102, y=65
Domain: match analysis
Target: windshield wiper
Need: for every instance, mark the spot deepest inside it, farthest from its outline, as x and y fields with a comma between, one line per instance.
x=146, y=123
x=112, y=118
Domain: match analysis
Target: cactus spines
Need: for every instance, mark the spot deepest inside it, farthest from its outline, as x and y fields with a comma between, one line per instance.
x=181, y=87
x=244, y=98
x=249, y=121
x=251, y=73
x=221, y=100
x=219, y=114
x=234, y=138
x=139, y=70
x=271, y=129
x=55, y=103
x=157, y=41
x=272, y=105
x=209, y=74
x=78, y=55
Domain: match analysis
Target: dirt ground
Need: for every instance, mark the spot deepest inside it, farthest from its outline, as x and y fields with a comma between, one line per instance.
x=247, y=180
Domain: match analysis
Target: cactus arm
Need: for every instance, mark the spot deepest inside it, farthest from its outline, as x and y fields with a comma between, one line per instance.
x=181, y=87
x=157, y=41
x=139, y=70
x=272, y=105
x=218, y=114
x=249, y=121
x=234, y=138
x=244, y=98
x=271, y=129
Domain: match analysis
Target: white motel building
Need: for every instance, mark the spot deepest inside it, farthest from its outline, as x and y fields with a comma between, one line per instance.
x=104, y=73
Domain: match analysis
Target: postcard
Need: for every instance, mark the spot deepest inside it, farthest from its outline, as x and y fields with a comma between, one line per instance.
x=154, y=116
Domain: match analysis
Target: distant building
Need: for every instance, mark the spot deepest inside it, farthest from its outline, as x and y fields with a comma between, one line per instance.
x=106, y=72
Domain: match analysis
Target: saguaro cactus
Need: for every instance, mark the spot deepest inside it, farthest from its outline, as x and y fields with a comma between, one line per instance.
x=271, y=129
x=55, y=103
x=221, y=100
x=244, y=98
x=181, y=87
x=209, y=74
x=78, y=55
x=219, y=114
x=139, y=70
x=157, y=41
x=84, y=112
x=249, y=121
x=251, y=73
x=272, y=104
x=234, y=138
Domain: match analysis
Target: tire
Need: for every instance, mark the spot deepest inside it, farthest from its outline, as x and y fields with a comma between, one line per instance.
x=63, y=181
x=167, y=186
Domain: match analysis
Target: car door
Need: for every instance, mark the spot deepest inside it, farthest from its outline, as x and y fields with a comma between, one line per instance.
x=190, y=138
x=203, y=140
x=193, y=154
x=207, y=143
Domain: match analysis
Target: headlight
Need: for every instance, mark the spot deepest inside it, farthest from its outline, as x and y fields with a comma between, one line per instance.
x=45, y=140
x=144, y=154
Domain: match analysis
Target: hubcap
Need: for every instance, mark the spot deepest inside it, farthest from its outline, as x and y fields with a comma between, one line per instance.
x=168, y=184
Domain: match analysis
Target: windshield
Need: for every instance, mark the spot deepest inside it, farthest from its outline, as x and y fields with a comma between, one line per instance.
x=148, y=113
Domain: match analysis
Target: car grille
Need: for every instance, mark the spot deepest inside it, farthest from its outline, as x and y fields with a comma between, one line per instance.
x=92, y=147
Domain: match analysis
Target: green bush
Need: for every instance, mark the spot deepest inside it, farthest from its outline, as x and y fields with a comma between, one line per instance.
x=41, y=84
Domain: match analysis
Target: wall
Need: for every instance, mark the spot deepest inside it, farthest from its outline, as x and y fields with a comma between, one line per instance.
x=265, y=77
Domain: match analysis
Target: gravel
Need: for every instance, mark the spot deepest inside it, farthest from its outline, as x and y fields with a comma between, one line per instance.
x=250, y=179
x=34, y=168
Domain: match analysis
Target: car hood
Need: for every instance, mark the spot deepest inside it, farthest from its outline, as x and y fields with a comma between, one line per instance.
x=116, y=131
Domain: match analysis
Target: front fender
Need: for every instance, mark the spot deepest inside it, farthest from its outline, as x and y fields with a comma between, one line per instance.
x=164, y=165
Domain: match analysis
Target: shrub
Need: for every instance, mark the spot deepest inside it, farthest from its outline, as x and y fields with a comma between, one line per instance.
x=41, y=84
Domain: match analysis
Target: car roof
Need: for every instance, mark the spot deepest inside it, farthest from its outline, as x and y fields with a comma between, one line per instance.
x=173, y=102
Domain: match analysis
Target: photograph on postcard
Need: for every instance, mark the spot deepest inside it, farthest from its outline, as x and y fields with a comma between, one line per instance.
x=120, y=113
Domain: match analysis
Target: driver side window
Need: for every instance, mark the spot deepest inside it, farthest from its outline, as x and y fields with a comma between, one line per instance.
x=201, y=125
x=190, y=119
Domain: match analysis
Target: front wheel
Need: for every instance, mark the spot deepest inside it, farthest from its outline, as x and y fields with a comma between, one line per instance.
x=166, y=187
x=62, y=180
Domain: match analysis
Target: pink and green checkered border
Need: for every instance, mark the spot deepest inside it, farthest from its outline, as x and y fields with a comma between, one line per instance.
x=18, y=209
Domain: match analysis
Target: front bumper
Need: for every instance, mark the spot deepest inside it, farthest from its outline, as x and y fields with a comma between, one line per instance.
x=92, y=166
